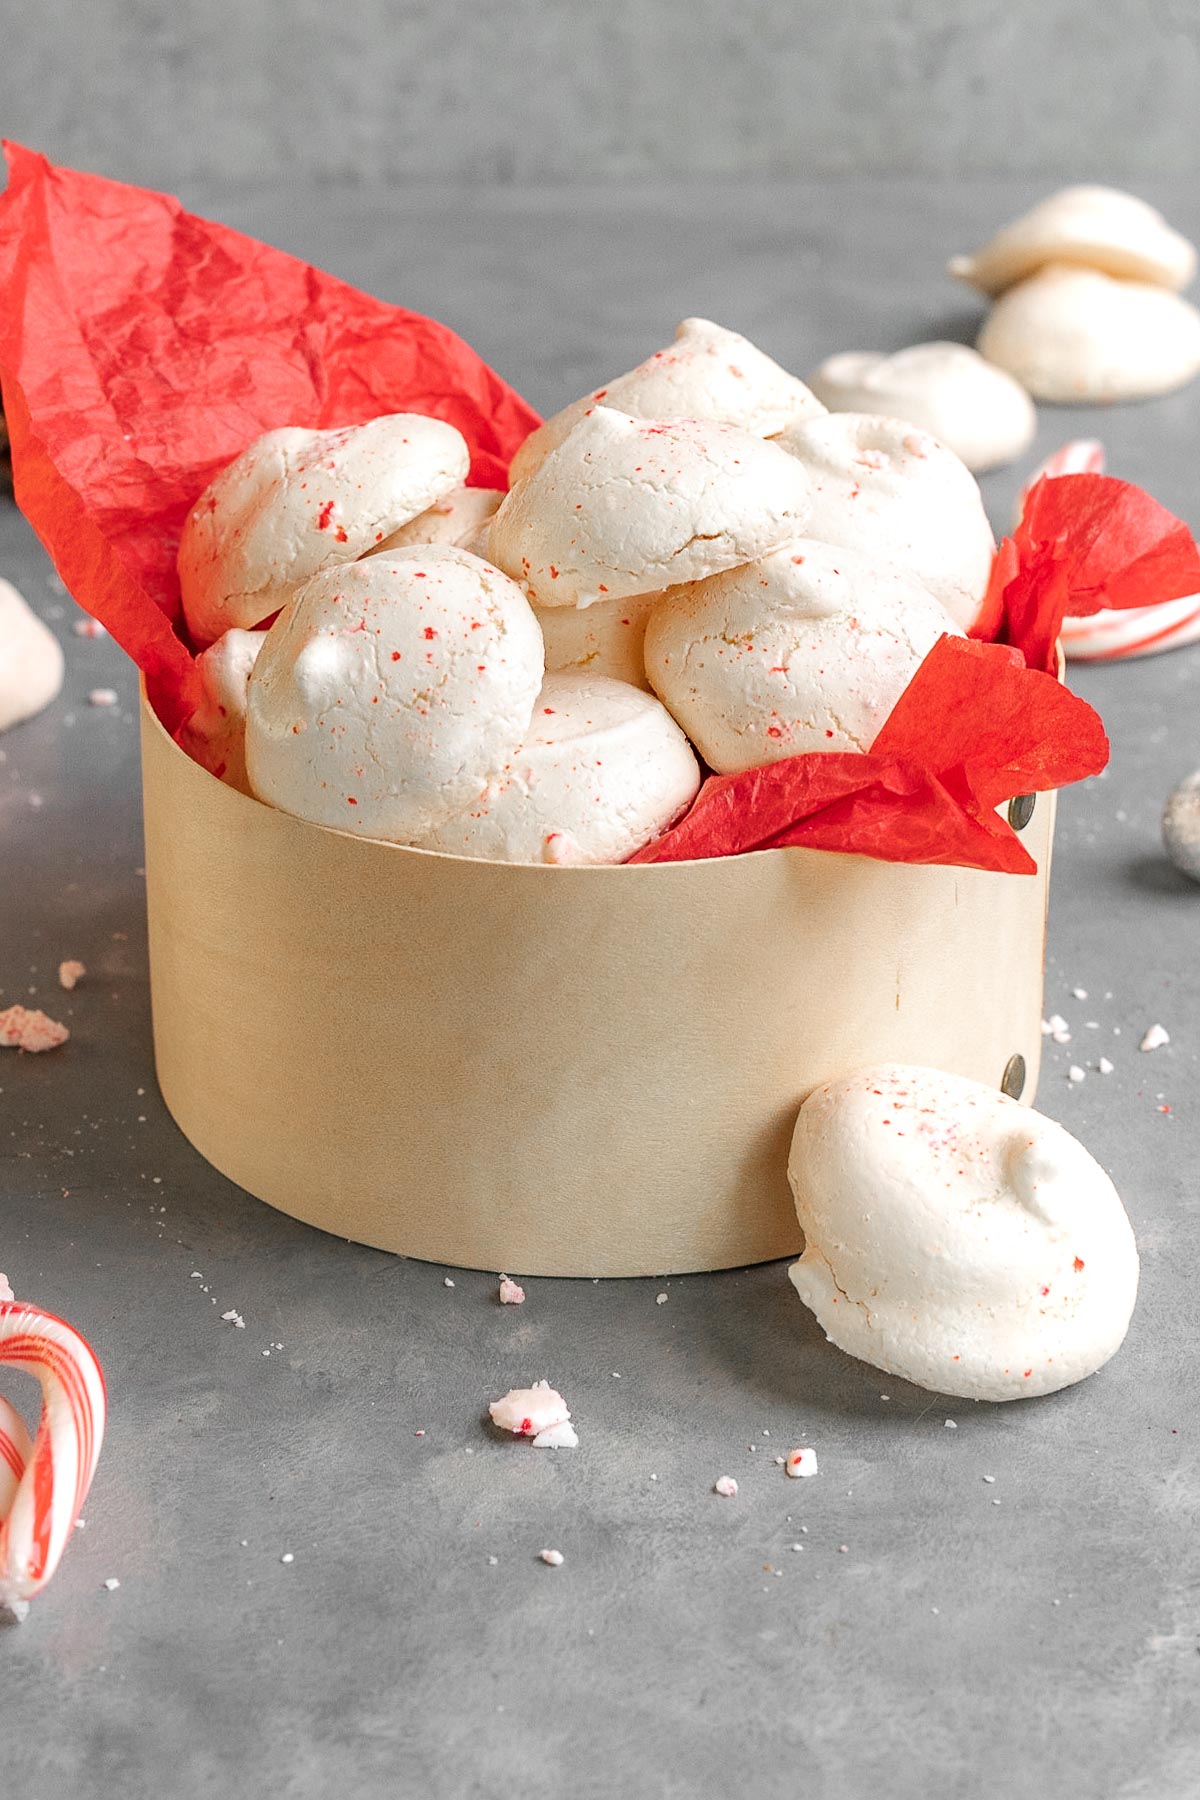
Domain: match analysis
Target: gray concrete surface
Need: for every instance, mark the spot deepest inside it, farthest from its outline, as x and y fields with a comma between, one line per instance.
x=570, y=90
x=1038, y=1635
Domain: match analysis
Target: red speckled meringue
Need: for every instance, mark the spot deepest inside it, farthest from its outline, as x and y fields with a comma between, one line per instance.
x=603, y=770
x=625, y=506
x=1096, y=227
x=606, y=639
x=957, y=1238
x=808, y=649
x=461, y=518
x=389, y=692
x=295, y=502
x=707, y=373
x=897, y=494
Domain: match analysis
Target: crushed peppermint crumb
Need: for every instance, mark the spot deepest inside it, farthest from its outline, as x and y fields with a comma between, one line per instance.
x=1076, y=1074
x=726, y=1486
x=511, y=1294
x=557, y=1437
x=103, y=697
x=70, y=973
x=1105, y=1067
x=527, y=1412
x=552, y=1558
x=802, y=1462
x=21, y=1029
x=88, y=628
x=112, y=1584
x=1155, y=1038
x=843, y=1549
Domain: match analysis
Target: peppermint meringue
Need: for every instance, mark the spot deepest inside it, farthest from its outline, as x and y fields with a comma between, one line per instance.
x=707, y=373
x=957, y=1238
x=807, y=649
x=1077, y=335
x=605, y=639
x=296, y=501
x=390, y=690
x=897, y=494
x=215, y=735
x=627, y=506
x=603, y=770
x=31, y=660
x=976, y=409
x=1096, y=227
x=460, y=518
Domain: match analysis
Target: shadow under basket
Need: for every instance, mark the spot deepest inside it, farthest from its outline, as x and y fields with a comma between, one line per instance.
x=553, y=1071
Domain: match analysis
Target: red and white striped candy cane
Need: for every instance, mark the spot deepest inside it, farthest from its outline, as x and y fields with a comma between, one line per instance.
x=1114, y=634
x=43, y=1483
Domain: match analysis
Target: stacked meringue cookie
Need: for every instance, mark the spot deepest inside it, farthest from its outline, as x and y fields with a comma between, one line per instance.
x=1087, y=291
x=696, y=551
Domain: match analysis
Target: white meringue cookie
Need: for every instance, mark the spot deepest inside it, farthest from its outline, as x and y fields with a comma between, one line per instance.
x=389, y=691
x=298, y=501
x=628, y=506
x=900, y=496
x=1096, y=227
x=707, y=373
x=460, y=518
x=605, y=639
x=971, y=406
x=215, y=735
x=31, y=659
x=603, y=770
x=1075, y=335
x=957, y=1238
x=807, y=649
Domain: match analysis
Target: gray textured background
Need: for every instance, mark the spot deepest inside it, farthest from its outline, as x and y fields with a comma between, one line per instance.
x=500, y=91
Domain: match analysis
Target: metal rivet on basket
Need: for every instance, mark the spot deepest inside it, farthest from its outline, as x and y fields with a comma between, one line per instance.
x=1020, y=811
x=1013, y=1081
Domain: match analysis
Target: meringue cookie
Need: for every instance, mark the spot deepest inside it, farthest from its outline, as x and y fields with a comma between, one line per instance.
x=1096, y=227
x=215, y=735
x=1075, y=335
x=971, y=406
x=807, y=649
x=1181, y=826
x=460, y=518
x=605, y=639
x=390, y=690
x=298, y=501
x=957, y=1238
x=707, y=373
x=626, y=506
x=603, y=770
x=31, y=659
x=902, y=497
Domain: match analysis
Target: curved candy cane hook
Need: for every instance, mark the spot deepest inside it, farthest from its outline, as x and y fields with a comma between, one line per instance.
x=44, y=1483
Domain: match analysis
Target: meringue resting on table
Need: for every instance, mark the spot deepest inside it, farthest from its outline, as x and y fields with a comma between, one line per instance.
x=516, y=677
x=31, y=660
x=957, y=1238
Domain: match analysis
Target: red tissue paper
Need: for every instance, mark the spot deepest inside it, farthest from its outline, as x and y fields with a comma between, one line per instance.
x=974, y=727
x=142, y=348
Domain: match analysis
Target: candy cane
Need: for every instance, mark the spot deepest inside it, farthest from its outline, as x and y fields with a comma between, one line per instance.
x=44, y=1483
x=1115, y=634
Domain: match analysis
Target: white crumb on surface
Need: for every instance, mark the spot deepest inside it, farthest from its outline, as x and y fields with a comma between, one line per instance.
x=557, y=1437
x=287, y=1557
x=71, y=973
x=511, y=1293
x=234, y=1318
x=801, y=1462
x=112, y=1584
x=1155, y=1038
x=950, y=1424
x=989, y=1479
x=726, y=1486
x=1105, y=1067
x=1076, y=1074
x=552, y=1558
x=446, y=1281
x=660, y=1299
x=88, y=628
x=1079, y=993
x=103, y=697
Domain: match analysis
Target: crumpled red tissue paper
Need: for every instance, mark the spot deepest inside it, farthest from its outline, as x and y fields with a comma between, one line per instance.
x=142, y=348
